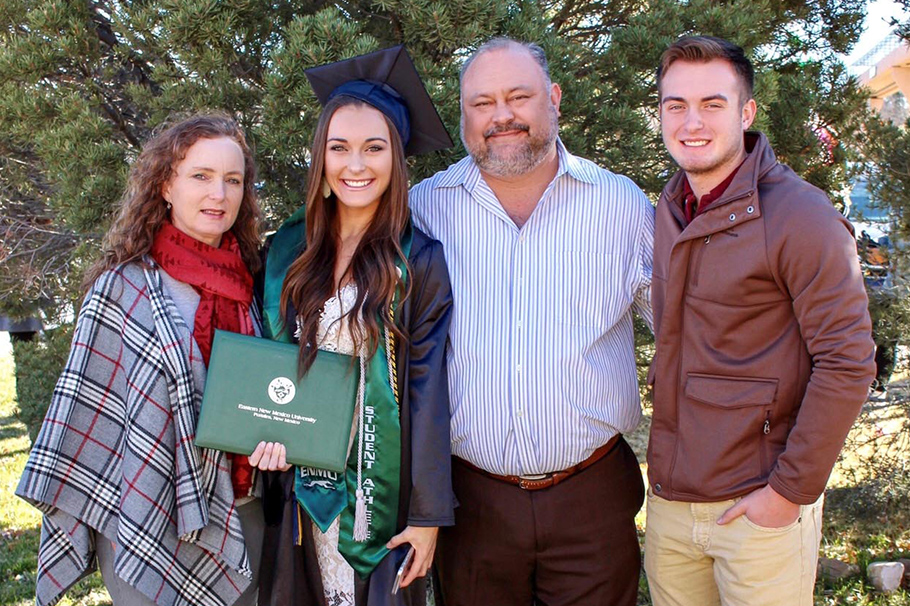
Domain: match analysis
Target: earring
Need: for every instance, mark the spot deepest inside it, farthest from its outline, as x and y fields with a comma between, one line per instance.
x=168, y=206
x=326, y=190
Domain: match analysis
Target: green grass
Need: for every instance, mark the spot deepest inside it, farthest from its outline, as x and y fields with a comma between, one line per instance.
x=867, y=506
x=20, y=523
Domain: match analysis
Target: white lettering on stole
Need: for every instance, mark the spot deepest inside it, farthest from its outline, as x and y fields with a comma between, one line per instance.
x=320, y=473
x=369, y=437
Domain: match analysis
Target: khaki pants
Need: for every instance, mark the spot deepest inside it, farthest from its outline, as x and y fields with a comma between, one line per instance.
x=691, y=560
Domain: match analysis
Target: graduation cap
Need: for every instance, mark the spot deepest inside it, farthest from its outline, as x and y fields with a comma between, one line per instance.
x=387, y=80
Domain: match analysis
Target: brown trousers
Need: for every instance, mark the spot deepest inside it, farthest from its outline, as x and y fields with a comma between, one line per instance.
x=571, y=544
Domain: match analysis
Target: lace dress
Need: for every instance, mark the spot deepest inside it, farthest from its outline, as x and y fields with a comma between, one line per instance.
x=334, y=335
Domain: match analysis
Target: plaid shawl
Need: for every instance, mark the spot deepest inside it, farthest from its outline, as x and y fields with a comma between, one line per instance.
x=116, y=454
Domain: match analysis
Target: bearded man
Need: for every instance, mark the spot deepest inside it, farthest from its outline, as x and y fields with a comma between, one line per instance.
x=548, y=255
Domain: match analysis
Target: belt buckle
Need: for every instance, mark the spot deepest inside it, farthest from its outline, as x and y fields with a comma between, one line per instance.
x=526, y=482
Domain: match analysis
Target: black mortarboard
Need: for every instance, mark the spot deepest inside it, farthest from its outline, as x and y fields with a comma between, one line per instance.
x=387, y=80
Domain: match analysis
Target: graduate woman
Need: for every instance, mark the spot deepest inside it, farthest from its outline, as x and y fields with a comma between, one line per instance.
x=114, y=468
x=349, y=273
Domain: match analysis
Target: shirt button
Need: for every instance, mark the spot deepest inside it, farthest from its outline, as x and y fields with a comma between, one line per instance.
x=657, y=488
x=518, y=367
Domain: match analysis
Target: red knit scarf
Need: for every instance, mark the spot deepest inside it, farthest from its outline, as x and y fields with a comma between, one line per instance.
x=225, y=286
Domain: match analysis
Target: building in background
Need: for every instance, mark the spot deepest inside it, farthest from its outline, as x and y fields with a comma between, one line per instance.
x=885, y=71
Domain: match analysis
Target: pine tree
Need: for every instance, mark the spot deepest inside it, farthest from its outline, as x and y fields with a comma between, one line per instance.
x=885, y=149
x=82, y=84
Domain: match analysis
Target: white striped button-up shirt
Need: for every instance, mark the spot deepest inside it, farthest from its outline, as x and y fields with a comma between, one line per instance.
x=542, y=365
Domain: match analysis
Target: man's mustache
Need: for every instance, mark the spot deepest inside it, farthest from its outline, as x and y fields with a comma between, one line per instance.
x=505, y=128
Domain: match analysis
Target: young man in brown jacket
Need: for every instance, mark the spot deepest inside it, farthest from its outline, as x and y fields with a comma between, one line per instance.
x=764, y=355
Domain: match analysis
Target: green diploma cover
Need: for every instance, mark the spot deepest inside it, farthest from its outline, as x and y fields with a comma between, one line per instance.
x=252, y=394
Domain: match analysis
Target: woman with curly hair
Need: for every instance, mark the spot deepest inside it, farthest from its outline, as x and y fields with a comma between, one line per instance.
x=114, y=468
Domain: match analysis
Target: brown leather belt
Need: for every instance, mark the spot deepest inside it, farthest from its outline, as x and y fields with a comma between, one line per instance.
x=546, y=480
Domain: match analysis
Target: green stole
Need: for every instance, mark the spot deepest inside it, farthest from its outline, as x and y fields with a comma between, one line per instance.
x=325, y=495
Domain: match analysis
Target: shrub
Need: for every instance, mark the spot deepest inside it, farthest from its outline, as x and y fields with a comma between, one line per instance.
x=38, y=365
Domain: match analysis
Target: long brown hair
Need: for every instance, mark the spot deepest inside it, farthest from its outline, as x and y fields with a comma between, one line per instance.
x=143, y=209
x=310, y=279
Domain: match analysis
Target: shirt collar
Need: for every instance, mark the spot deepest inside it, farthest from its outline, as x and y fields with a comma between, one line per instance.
x=716, y=192
x=573, y=165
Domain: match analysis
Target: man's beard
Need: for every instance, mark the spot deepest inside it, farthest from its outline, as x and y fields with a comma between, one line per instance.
x=516, y=159
x=709, y=165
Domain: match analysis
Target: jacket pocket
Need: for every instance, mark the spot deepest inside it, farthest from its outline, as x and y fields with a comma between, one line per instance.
x=730, y=392
x=721, y=434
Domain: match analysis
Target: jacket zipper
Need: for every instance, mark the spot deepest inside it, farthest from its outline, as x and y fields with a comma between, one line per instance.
x=698, y=256
x=669, y=481
x=762, y=450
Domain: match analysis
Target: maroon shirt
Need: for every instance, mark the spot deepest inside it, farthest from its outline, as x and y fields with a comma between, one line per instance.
x=693, y=206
